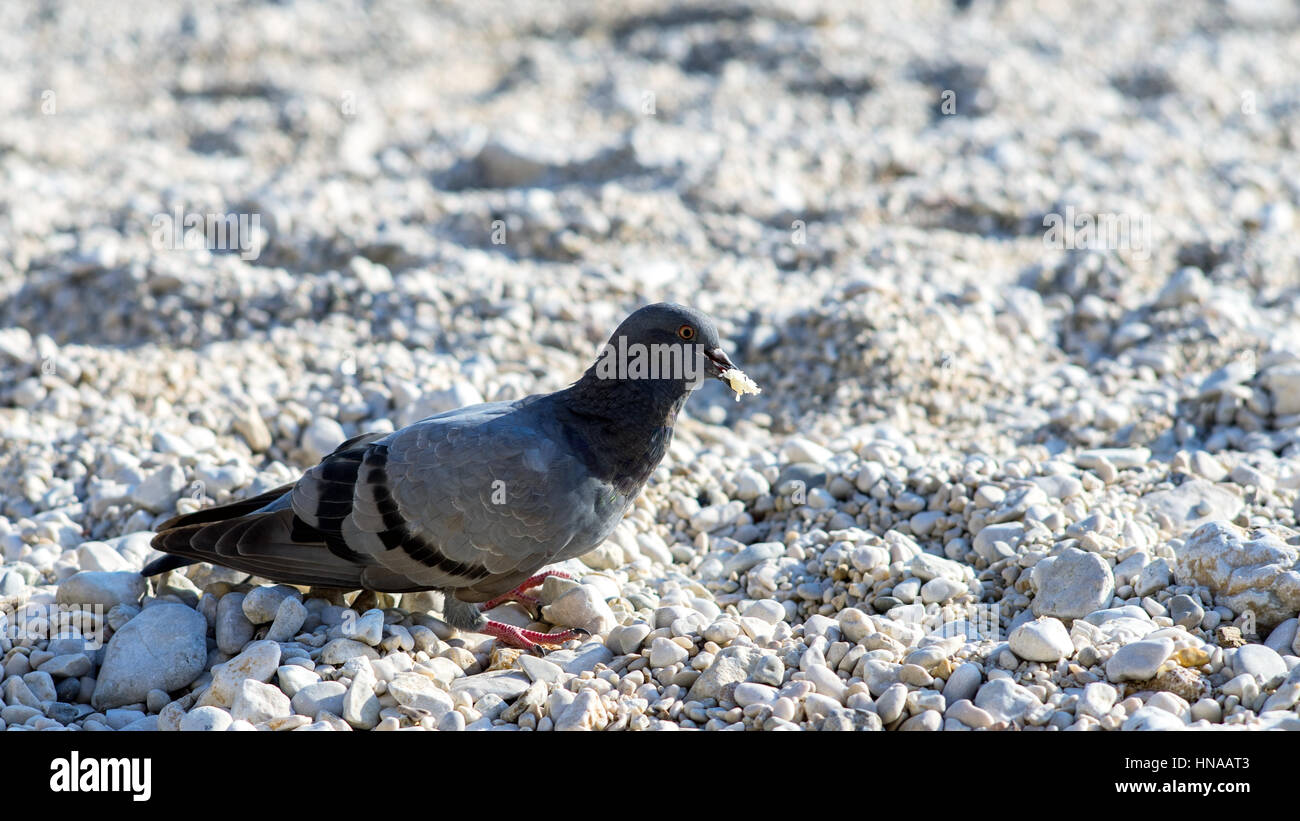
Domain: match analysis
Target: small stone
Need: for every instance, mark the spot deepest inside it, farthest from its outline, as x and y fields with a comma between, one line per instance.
x=1138, y=660
x=451, y=722
x=340, y=650
x=731, y=665
x=1005, y=700
x=583, y=607
x=1044, y=639
x=970, y=715
x=100, y=588
x=1207, y=709
x=361, y=706
x=68, y=665
x=941, y=591
x=258, y=662
x=233, y=629
x=99, y=556
x=768, y=670
x=664, y=652
x=325, y=696
x=261, y=604
x=927, y=721
x=252, y=427
x=293, y=678
x=256, y=702
x=206, y=719
x=1152, y=578
x=1152, y=718
x=158, y=492
x=748, y=692
x=1260, y=661
x=1185, y=611
x=1097, y=700
x=798, y=449
x=1282, y=637
x=289, y=619
x=541, y=670
x=769, y=610
x=586, y=712
x=721, y=632
x=156, y=700
x=889, y=706
x=508, y=684
x=628, y=638
x=415, y=691
x=751, y=555
x=750, y=484
x=367, y=628
x=1072, y=584
x=963, y=683
x=986, y=541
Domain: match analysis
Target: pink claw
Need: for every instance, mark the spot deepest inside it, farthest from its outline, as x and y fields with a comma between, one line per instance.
x=518, y=595
x=530, y=639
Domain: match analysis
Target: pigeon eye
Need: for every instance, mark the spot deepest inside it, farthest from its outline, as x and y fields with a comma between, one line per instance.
x=686, y=332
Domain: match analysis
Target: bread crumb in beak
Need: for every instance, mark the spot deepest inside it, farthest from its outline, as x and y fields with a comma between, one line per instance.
x=740, y=382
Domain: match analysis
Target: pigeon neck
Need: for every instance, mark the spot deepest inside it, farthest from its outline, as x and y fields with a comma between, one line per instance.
x=629, y=423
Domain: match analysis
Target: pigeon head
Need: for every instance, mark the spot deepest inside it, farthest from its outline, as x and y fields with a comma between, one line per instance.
x=664, y=343
x=624, y=407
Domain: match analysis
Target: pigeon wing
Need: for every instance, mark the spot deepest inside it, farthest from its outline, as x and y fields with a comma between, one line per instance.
x=476, y=501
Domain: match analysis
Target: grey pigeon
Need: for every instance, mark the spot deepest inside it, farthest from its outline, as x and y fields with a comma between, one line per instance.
x=472, y=502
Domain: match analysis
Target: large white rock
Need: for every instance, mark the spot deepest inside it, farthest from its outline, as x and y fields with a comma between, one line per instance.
x=1138, y=660
x=94, y=587
x=258, y=662
x=163, y=648
x=256, y=702
x=1005, y=700
x=1283, y=382
x=420, y=692
x=1256, y=573
x=1193, y=504
x=1044, y=639
x=1072, y=584
x=582, y=607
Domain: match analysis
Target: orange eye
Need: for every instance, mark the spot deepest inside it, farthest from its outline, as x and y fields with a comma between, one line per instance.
x=686, y=332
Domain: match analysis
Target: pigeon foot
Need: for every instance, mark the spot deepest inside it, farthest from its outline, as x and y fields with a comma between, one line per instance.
x=530, y=603
x=530, y=640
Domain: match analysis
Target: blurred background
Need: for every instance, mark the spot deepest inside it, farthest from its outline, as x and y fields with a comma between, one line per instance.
x=288, y=222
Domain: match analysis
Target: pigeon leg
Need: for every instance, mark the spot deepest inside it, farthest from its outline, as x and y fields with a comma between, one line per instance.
x=469, y=616
x=529, y=640
x=530, y=603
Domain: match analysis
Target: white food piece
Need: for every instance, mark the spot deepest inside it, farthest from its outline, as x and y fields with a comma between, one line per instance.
x=740, y=382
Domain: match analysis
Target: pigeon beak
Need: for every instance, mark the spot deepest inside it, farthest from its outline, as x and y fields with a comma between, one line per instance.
x=717, y=362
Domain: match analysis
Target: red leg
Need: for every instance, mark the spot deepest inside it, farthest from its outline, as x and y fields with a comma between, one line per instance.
x=518, y=595
x=529, y=639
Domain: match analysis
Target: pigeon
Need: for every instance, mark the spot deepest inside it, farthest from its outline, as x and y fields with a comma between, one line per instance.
x=473, y=502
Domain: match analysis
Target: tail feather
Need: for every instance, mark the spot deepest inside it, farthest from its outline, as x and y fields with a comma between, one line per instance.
x=289, y=534
x=230, y=510
x=273, y=544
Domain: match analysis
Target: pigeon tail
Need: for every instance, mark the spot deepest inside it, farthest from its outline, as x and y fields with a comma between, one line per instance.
x=261, y=536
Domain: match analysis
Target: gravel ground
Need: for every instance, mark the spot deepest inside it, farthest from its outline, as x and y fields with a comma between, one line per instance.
x=1019, y=281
